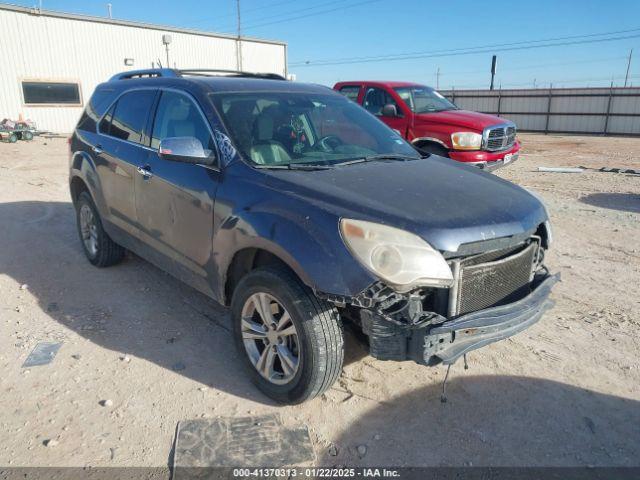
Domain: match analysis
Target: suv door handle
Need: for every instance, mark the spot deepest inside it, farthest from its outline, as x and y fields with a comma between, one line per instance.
x=97, y=149
x=145, y=172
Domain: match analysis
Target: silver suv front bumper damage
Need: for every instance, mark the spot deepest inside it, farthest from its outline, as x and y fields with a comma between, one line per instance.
x=450, y=340
x=436, y=339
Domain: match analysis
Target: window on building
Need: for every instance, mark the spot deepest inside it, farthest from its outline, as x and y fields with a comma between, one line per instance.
x=130, y=116
x=51, y=93
x=178, y=116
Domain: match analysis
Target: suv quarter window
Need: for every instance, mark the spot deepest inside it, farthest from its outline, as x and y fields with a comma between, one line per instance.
x=351, y=92
x=128, y=120
x=375, y=98
x=177, y=115
x=105, y=123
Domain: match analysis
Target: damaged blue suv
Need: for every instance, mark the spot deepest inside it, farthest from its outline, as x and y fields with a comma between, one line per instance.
x=302, y=211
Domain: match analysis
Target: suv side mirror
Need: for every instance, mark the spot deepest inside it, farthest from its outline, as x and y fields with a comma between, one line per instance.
x=389, y=110
x=186, y=150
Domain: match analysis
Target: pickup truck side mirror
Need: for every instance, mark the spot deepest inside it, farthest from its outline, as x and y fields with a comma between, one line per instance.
x=389, y=110
x=185, y=150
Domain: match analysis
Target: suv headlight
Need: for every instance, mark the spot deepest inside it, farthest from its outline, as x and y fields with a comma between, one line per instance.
x=400, y=258
x=466, y=141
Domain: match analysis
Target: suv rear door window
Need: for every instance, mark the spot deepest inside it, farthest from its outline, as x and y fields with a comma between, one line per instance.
x=178, y=116
x=130, y=116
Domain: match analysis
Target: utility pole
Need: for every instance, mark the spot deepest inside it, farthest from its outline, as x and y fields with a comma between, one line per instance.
x=494, y=64
x=626, y=77
x=438, y=78
x=239, y=41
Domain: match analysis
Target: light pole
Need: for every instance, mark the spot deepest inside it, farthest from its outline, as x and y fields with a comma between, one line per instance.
x=166, y=40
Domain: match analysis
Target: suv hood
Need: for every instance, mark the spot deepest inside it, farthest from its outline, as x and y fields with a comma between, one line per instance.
x=446, y=203
x=462, y=118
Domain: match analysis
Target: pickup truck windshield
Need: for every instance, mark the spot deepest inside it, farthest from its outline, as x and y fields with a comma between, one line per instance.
x=274, y=129
x=424, y=100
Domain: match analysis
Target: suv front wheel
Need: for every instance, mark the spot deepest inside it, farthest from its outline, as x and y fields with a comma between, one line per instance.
x=292, y=342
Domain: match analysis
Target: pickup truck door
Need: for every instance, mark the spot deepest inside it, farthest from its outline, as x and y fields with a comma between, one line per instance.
x=375, y=98
x=118, y=151
x=174, y=200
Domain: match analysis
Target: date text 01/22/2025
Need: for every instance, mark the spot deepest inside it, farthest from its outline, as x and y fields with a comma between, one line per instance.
x=316, y=472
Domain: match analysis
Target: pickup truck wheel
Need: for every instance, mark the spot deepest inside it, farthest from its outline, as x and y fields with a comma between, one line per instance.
x=291, y=342
x=431, y=148
x=97, y=245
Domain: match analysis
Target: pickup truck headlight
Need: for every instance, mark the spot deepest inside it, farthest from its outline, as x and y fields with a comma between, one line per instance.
x=398, y=257
x=466, y=141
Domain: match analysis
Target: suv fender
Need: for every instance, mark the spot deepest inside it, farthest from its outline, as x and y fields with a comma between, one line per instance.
x=83, y=168
x=319, y=259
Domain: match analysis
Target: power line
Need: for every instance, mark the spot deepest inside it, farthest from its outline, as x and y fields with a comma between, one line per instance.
x=343, y=6
x=249, y=10
x=523, y=45
x=534, y=67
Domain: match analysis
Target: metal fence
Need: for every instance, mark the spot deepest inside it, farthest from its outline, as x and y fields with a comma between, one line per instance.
x=591, y=111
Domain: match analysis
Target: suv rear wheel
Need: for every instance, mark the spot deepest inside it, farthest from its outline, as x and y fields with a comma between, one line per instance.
x=97, y=245
x=291, y=342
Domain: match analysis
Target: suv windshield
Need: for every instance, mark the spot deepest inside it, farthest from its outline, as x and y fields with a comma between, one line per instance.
x=424, y=100
x=281, y=129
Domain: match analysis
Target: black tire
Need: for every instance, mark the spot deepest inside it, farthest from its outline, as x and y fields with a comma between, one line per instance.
x=27, y=136
x=432, y=149
x=107, y=251
x=13, y=138
x=318, y=326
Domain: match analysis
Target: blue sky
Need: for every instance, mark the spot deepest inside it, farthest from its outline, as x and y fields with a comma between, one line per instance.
x=326, y=30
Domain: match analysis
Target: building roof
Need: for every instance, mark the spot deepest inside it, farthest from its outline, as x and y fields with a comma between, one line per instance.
x=126, y=23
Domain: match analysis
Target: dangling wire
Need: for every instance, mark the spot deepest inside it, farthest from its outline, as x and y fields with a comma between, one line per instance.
x=443, y=397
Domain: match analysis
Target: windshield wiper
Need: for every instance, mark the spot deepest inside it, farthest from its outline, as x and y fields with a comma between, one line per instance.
x=295, y=166
x=391, y=156
x=381, y=156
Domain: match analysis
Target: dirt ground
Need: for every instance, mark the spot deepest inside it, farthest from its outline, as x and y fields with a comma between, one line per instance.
x=564, y=393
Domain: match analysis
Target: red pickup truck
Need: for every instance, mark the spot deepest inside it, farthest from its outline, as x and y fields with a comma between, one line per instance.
x=433, y=124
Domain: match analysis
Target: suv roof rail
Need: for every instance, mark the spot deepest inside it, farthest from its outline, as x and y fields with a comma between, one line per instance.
x=210, y=72
x=196, y=72
x=149, y=73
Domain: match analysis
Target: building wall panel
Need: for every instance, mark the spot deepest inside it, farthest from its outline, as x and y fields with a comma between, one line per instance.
x=90, y=52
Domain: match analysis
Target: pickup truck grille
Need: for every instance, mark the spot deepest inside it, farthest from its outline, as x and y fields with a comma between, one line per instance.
x=500, y=138
x=492, y=278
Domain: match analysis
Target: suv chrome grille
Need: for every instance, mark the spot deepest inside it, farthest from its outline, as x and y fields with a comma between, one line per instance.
x=492, y=278
x=500, y=138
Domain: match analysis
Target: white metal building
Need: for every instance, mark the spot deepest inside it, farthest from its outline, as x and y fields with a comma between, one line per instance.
x=51, y=62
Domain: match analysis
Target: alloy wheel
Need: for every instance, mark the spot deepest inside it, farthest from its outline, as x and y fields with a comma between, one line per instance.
x=89, y=229
x=270, y=338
